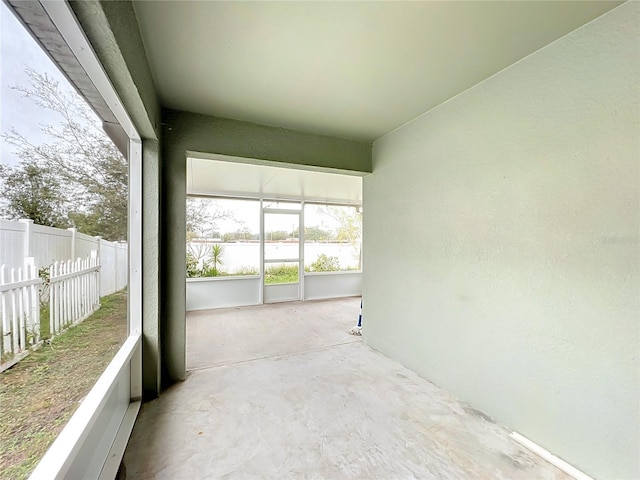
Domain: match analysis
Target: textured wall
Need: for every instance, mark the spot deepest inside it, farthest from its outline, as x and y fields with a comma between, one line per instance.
x=508, y=272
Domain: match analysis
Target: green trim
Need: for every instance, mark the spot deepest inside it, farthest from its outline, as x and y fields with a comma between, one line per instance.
x=184, y=131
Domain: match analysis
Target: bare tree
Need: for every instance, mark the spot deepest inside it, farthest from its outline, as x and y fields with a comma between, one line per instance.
x=202, y=217
x=78, y=161
x=349, y=229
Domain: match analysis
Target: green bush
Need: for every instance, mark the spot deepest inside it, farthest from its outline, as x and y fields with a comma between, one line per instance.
x=192, y=266
x=324, y=263
x=210, y=271
x=207, y=270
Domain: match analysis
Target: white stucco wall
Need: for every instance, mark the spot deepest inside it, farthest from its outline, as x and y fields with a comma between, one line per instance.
x=508, y=271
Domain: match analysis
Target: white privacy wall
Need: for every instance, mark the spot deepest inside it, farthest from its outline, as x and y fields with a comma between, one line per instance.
x=508, y=271
x=46, y=245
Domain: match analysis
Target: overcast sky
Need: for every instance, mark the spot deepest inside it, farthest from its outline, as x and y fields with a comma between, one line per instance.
x=17, y=51
x=249, y=213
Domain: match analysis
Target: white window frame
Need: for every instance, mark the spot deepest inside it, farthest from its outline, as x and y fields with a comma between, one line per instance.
x=311, y=285
x=64, y=459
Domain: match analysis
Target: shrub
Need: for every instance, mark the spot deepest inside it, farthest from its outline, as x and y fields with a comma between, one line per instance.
x=210, y=271
x=324, y=263
x=207, y=269
x=192, y=266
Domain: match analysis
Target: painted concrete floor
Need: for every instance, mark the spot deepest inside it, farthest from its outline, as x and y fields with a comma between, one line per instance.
x=284, y=392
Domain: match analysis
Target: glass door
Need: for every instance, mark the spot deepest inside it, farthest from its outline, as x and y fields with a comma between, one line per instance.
x=282, y=259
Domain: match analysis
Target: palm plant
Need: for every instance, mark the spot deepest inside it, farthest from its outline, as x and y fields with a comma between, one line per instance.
x=216, y=257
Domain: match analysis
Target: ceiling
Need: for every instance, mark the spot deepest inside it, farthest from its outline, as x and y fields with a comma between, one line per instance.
x=225, y=177
x=355, y=70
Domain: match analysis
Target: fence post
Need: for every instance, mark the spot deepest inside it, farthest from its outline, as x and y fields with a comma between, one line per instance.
x=73, y=231
x=115, y=263
x=120, y=250
x=99, y=255
x=28, y=231
x=4, y=321
x=33, y=296
x=95, y=257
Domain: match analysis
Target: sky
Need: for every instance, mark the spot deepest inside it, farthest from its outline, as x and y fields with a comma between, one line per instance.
x=17, y=51
x=249, y=213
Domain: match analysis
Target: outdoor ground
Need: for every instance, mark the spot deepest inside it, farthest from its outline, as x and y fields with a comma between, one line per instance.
x=40, y=393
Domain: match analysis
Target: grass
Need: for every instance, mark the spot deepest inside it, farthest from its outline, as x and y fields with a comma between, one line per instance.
x=45, y=325
x=281, y=274
x=244, y=271
x=39, y=394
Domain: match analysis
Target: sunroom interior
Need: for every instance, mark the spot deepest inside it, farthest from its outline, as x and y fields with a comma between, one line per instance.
x=497, y=144
x=280, y=195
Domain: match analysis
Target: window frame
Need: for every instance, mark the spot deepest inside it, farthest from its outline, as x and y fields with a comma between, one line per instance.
x=64, y=458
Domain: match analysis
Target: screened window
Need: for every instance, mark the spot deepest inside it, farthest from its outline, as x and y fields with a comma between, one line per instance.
x=333, y=236
x=64, y=190
x=223, y=237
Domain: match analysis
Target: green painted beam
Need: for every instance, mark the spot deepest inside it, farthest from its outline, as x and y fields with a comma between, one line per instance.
x=186, y=131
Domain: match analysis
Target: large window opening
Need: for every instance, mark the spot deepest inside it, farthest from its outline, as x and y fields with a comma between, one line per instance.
x=223, y=237
x=65, y=236
x=300, y=239
x=333, y=238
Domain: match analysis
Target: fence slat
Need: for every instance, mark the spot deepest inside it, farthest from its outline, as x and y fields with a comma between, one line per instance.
x=3, y=312
x=14, y=315
x=22, y=328
x=19, y=311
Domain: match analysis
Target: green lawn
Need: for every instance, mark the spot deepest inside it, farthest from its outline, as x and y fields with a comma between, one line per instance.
x=281, y=274
x=39, y=394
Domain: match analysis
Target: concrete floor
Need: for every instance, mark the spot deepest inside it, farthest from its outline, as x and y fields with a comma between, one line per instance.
x=282, y=391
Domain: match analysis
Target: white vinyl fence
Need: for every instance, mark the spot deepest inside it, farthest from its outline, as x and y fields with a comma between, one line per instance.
x=22, y=239
x=73, y=292
x=75, y=286
x=19, y=312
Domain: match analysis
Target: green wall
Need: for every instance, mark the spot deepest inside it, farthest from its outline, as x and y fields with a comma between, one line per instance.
x=508, y=273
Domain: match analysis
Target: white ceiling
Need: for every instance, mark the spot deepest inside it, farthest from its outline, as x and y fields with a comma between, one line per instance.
x=228, y=178
x=349, y=69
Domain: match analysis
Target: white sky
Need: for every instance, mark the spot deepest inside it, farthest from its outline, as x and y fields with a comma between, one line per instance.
x=17, y=51
x=249, y=212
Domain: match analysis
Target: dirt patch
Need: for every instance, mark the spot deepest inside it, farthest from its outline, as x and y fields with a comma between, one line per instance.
x=39, y=394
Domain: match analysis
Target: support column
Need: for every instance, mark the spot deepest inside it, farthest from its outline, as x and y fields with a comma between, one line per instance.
x=99, y=254
x=27, y=238
x=73, y=243
x=151, y=330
